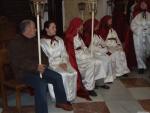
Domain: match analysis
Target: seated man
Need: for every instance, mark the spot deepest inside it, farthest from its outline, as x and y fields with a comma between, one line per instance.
x=24, y=59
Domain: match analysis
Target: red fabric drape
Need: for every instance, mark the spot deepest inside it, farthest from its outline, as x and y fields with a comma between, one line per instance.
x=103, y=27
x=68, y=39
x=87, y=29
x=129, y=49
x=119, y=19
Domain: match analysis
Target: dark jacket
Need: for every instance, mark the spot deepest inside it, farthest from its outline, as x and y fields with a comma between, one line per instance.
x=24, y=56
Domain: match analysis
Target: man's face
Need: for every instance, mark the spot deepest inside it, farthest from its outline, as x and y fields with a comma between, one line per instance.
x=31, y=29
x=52, y=29
x=143, y=5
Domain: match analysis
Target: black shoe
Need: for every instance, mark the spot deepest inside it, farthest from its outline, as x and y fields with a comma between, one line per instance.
x=109, y=82
x=141, y=71
x=125, y=75
x=92, y=93
x=105, y=87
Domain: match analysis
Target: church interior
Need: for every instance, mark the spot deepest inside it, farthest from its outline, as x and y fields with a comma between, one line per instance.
x=127, y=94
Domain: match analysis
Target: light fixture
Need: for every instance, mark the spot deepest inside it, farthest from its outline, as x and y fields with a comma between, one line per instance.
x=81, y=7
x=38, y=10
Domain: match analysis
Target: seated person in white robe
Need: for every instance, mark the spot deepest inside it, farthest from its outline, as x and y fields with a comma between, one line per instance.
x=91, y=69
x=53, y=47
x=110, y=40
x=97, y=50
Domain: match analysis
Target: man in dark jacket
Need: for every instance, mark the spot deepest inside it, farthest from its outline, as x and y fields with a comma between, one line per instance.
x=24, y=59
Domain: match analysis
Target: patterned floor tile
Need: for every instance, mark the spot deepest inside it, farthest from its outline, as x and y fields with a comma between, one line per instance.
x=98, y=98
x=94, y=107
x=117, y=91
x=145, y=104
x=122, y=106
x=135, y=82
x=140, y=93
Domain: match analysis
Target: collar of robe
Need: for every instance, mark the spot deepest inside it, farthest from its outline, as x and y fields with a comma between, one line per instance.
x=52, y=38
x=144, y=14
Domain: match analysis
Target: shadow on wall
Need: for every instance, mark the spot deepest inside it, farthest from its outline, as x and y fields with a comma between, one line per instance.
x=7, y=30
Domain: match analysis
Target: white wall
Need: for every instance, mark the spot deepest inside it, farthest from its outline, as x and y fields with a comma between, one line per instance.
x=70, y=10
x=102, y=9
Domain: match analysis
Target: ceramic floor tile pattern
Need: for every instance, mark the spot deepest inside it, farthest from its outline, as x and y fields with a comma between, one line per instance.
x=140, y=93
x=135, y=82
x=126, y=95
x=94, y=107
x=122, y=106
x=145, y=104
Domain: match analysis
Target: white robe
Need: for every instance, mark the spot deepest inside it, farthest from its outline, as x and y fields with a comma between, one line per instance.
x=141, y=37
x=118, y=57
x=57, y=54
x=100, y=52
x=91, y=69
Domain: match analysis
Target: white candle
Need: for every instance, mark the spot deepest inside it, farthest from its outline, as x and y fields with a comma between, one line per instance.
x=38, y=33
x=92, y=30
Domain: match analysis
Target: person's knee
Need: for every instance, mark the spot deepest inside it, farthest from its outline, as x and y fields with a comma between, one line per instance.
x=58, y=77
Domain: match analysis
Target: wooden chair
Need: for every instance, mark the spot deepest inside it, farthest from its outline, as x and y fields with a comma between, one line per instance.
x=11, y=83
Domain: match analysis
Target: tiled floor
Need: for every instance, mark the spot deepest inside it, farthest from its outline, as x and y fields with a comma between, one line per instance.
x=90, y=107
x=135, y=82
x=126, y=95
x=145, y=104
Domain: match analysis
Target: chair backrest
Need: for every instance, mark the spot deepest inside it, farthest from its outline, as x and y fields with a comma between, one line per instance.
x=5, y=68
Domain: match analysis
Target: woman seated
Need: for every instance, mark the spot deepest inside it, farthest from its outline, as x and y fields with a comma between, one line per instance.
x=53, y=47
x=91, y=69
x=97, y=48
x=110, y=40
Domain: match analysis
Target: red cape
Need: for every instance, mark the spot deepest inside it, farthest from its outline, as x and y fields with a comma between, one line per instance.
x=103, y=27
x=87, y=28
x=129, y=45
x=119, y=19
x=69, y=38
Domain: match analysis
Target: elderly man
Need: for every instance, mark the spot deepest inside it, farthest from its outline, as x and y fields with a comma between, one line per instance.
x=24, y=57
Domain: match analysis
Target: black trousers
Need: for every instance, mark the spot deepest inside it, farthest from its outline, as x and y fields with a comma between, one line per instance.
x=40, y=87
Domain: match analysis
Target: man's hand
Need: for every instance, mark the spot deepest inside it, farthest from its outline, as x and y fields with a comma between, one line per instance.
x=63, y=66
x=41, y=68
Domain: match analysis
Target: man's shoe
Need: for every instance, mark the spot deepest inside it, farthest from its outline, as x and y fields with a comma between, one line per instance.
x=105, y=87
x=65, y=106
x=92, y=93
